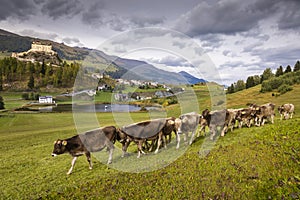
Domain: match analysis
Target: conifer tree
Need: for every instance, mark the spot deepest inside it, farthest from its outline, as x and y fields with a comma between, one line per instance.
x=288, y=69
x=31, y=82
x=297, y=66
x=279, y=71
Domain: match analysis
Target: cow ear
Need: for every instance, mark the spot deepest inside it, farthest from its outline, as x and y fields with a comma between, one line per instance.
x=257, y=109
x=64, y=143
x=55, y=142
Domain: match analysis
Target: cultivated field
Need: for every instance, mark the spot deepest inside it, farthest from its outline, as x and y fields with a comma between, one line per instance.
x=248, y=163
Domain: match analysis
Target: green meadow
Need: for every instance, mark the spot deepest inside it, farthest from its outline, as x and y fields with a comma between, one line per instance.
x=248, y=163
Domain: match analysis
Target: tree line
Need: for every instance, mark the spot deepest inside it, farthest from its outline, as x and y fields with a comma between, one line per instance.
x=281, y=80
x=36, y=75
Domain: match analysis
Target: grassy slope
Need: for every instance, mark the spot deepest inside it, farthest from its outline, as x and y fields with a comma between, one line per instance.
x=259, y=162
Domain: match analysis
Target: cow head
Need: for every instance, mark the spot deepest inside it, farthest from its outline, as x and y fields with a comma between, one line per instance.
x=280, y=109
x=59, y=147
x=121, y=136
x=205, y=113
x=178, y=125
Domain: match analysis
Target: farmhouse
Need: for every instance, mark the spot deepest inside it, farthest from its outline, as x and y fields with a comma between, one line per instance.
x=46, y=99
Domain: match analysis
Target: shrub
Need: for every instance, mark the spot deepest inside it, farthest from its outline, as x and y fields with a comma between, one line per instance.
x=284, y=88
x=266, y=87
x=275, y=82
x=25, y=96
x=1, y=103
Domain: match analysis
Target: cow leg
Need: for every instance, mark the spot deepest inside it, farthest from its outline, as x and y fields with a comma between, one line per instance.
x=281, y=116
x=213, y=132
x=124, y=148
x=164, y=141
x=224, y=129
x=170, y=137
x=178, y=140
x=88, y=156
x=291, y=115
x=250, y=121
x=72, y=165
x=111, y=151
x=153, y=143
x=110, y=148
x=158, y=142
x=263, y=121
x=192, y=137
x=201, y=128
x=186, y=134
x=140, y=150
x=240, y=124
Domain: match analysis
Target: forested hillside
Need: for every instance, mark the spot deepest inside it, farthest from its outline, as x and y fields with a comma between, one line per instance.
x=280, y=81
x=19, y=76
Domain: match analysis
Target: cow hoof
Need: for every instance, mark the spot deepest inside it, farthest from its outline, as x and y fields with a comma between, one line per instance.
x=109, y=162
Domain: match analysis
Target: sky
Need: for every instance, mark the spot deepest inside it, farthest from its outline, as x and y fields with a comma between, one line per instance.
x=237, y=38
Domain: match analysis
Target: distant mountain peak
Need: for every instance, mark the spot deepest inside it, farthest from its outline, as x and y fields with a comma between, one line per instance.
x=190, y=78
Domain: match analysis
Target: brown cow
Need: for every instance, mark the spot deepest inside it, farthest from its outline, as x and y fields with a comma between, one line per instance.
x=140, y=132
x=286, y=111
x=219, y=118
x=187, y=123
x=263, y=113
x=90, y=141
x=246, y=116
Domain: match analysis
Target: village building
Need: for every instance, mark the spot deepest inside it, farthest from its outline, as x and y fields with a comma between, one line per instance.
x=46, y=99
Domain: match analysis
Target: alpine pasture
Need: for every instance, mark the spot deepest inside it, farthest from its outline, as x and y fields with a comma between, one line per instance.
x=248, y=163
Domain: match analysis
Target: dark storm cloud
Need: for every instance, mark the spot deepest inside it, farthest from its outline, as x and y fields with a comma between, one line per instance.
x=59, y=8
x=93, y=13
x=142, y=21
x=223, y=17
x=282, y=56
x=20, y=9
x=97, y=15
x=232, y=16
x=290, y=17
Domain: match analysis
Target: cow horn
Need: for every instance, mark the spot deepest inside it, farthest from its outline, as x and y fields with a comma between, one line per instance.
x=64, y=143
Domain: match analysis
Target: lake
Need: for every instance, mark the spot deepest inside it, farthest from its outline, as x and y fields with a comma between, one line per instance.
x=93, y=108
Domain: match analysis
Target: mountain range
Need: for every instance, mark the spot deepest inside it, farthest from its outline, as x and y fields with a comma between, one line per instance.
x=118, y=67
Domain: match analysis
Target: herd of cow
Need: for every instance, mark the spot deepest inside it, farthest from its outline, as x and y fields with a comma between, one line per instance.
x=158, y=132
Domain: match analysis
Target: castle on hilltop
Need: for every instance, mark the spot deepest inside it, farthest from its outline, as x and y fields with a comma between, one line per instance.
x=36, y=47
